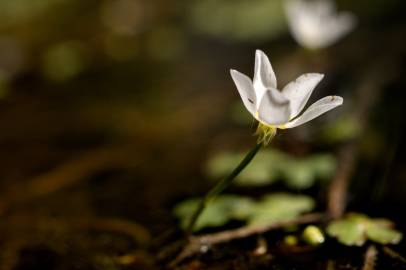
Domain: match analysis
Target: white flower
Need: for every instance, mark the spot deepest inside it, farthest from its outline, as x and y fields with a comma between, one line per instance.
x=279, y=109
x=316, y=24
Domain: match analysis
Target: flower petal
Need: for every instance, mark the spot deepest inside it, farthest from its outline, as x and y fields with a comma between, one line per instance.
x=298, y=92
x=302, y=24
x=338, y=26
x=323, y=8
x=246, y=90
x=274, y=108
x=319, y=107
x=317, y=24
x=264, y=76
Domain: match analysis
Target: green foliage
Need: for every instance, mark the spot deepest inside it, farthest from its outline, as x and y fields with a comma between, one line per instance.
x=271, y=165
x=269, y=209
x=344, y=128
x=302, y=173
x=356, y=229
x=221, y=210
x=279, y=207
x=247, y=20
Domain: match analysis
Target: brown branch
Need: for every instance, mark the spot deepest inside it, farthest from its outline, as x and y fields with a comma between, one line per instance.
x=197, y=243
x=370, y=258
x=337, y=195
x=394, y=254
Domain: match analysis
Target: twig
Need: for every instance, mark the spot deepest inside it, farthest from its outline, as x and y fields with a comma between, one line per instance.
x=337, y=195
x=370, y=258
x=196, y=243
x=394, y=254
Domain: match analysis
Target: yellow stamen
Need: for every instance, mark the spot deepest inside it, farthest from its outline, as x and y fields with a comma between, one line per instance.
x=265, y=133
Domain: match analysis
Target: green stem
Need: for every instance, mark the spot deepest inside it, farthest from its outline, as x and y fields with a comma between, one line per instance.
x=222, y=185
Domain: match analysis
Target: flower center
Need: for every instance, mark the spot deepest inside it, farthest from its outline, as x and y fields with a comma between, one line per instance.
x=265, y=133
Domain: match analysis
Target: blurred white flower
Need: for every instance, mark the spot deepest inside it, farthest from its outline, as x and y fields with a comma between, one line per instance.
x=279, y=109
x=317, y=24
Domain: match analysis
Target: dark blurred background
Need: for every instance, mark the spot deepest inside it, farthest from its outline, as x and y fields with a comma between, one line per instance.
x=110, y=109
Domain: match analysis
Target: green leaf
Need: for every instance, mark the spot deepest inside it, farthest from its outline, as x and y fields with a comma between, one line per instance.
x=269, y=209
x=344, y=128
x=262, y=171
x=383, y=235
x=272, y=165
x=302, y=173
x=219, y=211
x=355, y=229
x=298, y=174
x=323, y=165
x=280, y=207
x=348, y=232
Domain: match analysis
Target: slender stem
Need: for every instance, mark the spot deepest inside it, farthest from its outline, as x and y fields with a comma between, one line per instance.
x=222, y=185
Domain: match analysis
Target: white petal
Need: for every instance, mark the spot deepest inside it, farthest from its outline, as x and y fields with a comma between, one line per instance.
x=340, y=25
x=303, y=22
x=264, y=76
x=274, y=108
x=316, y=24
x=246, y=90
x=322, y=7
x=319, y=107
x=293, y=8
x=298, y=92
